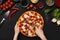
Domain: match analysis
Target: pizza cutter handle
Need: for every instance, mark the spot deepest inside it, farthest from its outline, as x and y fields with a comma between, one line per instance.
x=2, y=21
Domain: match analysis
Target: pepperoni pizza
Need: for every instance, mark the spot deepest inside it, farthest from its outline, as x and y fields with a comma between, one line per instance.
x=28, y=21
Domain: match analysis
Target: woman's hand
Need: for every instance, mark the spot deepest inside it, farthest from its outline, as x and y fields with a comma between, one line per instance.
x=16, y=29
x=40, y=33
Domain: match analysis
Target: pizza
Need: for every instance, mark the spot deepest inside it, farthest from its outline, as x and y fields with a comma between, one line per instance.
x=28, y=21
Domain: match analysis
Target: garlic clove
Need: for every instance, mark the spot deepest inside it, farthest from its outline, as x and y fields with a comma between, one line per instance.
x=58, y=22
x=54, y=20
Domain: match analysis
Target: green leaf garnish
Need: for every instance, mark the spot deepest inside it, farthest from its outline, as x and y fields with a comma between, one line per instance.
x=56, y=13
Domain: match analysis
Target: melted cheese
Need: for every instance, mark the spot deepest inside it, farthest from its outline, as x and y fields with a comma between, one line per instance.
x=26, y=16
x=23, y=27
x=24, y=24
x=29, y=33
x=31, y=14
x=22, y=19
x=38, y=17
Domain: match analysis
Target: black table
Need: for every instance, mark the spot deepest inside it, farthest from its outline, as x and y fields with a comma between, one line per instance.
x=52, y=31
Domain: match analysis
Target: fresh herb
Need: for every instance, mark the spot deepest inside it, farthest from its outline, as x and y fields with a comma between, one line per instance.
x=56, y=13
x=47, y=10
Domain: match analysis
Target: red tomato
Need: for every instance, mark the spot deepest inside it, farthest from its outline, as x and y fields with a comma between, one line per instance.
x=11, y=3
x=3, y=5
x=8, y=1
x=40, y=5
x=0, y=6
x=4, y=9
x=7, y=7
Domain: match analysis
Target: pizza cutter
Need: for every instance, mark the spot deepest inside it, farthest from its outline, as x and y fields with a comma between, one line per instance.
x=5, y=17
x=8, y=14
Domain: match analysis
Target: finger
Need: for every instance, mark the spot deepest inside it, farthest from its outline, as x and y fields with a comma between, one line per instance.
x=36, y=29
x=15, y=26
x=19, y=28
x=40, y=27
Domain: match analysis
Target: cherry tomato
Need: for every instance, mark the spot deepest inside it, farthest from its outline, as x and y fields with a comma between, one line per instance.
x=0, y=6
x=4, y=9
x=11, y=3
x=7, y=7
x=3, y=5
x=8, y=1
x=40, y=5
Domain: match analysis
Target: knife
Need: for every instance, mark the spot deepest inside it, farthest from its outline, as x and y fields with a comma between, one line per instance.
x=5, y=17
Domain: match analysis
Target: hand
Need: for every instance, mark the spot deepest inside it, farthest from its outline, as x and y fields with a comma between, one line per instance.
x=16, y=29
x=40, y=33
